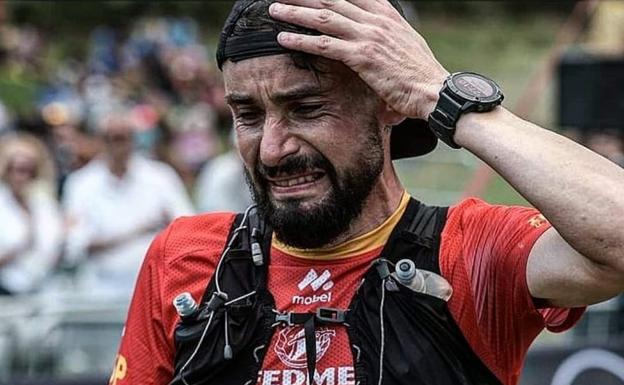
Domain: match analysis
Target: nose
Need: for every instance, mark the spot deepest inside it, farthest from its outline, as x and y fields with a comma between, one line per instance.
x=277, y=141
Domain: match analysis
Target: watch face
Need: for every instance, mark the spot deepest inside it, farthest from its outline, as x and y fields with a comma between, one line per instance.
x=474, y=86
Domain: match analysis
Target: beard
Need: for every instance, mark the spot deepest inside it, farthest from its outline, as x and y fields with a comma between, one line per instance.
x=308, y=226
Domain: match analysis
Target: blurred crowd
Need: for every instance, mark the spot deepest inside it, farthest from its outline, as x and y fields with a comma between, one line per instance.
x=119, y=143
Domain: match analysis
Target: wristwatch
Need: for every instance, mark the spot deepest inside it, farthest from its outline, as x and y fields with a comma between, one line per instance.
x=463, y=92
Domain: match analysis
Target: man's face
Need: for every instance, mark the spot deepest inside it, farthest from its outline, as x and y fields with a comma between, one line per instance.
x=312, y=145
x=118, y=139
x=21, y=171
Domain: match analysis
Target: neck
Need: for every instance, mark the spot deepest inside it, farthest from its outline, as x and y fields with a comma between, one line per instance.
x=20, y=197
x=118, y=167
x=380, y=204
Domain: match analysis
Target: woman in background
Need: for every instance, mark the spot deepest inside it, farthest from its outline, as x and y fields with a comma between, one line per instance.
x=31, y=230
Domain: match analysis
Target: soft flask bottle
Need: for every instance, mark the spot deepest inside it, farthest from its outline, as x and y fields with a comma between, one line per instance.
x=422, y=281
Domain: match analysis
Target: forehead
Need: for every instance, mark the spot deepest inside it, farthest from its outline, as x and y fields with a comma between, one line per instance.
x=116, y=126
x=24, y=157
x=268, y=75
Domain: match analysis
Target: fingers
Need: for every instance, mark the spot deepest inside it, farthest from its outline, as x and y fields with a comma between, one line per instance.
x=320, y=19
x=348, y=8
x=335, y=16
x=362, y=11
x=338, y=23
x=326, y=46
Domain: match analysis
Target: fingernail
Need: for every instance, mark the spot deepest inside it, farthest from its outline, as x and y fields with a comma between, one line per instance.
x=283, y=37
x=275, y=8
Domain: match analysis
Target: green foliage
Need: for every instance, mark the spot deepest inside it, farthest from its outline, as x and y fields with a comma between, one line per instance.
x=17, y=91
x=61, y=17
x=500, y=192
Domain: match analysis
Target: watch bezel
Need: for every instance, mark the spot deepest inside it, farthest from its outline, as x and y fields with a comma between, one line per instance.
x=471, y=98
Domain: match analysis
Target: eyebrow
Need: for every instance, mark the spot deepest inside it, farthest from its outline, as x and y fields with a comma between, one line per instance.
x=235, y=98
x=298, y=93
x=279, y=97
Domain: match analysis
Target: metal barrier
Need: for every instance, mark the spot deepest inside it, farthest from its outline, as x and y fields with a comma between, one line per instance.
x=64, y=335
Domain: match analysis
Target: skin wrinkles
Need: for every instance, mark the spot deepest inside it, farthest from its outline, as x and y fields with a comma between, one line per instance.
x=273, y=89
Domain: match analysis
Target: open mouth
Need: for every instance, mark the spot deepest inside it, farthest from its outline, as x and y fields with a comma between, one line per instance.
x=297, y=180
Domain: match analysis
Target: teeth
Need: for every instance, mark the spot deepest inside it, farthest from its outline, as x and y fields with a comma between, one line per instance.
x=296, y=181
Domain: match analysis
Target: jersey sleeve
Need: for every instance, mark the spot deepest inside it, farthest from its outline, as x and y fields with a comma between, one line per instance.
x=181, y=259
x=484, y=255
x=146, y=353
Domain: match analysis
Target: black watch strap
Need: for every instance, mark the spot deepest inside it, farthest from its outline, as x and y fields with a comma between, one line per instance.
x=443, y=119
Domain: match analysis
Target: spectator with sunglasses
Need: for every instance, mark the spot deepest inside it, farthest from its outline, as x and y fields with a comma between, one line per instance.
x=30, y=219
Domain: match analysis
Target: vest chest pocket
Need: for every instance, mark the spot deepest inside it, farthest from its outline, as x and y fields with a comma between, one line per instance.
x=191, y=328
x=198, y=341
x=218, y=347
x=211, y=323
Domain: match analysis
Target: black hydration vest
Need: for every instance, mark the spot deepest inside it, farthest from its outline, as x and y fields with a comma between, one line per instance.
x=224, y=342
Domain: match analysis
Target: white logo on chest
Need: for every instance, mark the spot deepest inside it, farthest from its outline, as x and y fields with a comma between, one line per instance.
x=315, y=282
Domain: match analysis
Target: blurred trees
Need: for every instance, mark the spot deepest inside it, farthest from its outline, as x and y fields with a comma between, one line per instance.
x=74, y=16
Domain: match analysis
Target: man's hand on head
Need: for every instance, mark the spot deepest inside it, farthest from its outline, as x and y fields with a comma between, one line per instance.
x=374, y=40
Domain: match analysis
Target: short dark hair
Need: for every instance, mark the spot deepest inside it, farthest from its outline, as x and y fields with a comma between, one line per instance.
x=256, y=18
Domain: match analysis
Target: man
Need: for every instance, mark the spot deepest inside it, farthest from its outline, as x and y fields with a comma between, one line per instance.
x=314, y=131
x=115, y=205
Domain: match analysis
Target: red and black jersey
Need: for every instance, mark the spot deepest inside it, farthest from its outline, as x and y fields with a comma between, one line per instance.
x=483, y=254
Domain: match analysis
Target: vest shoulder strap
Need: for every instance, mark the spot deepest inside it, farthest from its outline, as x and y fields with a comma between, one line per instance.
x=426, y=225
x=245, y=264
x=417, y=236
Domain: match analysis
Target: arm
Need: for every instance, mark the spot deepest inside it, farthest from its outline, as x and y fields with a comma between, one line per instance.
x=182, y=258
x=582, y=194
x=9, y=255
x=581, y=260
x=146, y=353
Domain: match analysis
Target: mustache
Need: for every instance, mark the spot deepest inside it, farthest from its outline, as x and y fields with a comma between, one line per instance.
x=294, y=165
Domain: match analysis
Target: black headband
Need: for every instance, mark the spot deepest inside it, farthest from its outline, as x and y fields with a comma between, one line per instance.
x=254, y=43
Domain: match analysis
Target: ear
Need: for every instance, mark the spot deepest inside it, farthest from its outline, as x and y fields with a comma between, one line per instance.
x=388, y=116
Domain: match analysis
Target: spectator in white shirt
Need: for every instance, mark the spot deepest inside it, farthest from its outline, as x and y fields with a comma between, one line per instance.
x=115, y=205
x=221, y=184
x=31, y=229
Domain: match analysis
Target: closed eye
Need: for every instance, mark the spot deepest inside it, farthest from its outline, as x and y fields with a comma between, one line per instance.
x=247, y=117
x=307, y=109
